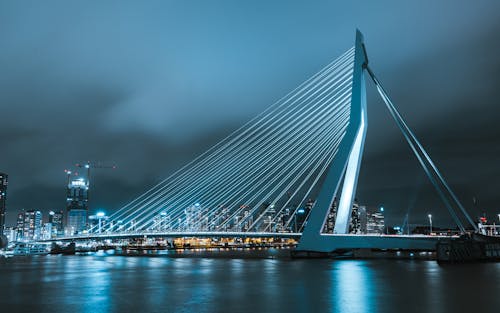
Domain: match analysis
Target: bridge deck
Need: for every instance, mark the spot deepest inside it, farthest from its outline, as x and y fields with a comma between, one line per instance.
x=348, y=241
x=130, y=235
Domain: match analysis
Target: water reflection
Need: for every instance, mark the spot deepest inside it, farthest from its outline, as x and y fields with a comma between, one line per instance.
x=158, y=284
x=354, y=287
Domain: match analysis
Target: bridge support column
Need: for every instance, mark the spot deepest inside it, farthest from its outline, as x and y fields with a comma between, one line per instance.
x=344, y=167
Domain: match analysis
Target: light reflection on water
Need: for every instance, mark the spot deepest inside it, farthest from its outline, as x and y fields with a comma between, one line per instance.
x=89, y=284
x=354, y=288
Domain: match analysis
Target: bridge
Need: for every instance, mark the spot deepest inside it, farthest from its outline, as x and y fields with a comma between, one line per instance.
x=291, y=172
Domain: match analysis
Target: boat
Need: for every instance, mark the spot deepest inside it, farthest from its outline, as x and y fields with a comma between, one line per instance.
x=70, y=249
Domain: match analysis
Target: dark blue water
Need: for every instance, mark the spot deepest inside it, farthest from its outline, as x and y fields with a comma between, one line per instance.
x=100, y=283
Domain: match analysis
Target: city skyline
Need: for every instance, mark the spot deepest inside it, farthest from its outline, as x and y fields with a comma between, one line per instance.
x=173, y=93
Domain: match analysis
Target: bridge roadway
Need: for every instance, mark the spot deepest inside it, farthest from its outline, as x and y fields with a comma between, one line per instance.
x=347, y=241
x=177, y=234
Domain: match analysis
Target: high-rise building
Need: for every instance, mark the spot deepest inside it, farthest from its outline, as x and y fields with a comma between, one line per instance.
x=3, y=198
x=330, y=218
x=77, y=205
x=10, y=233
x=20, y=226
x=358, y=214
x=192, y=215
x=47, y=231
x=56, y=218
x=301, y=215
x=32, y=225
x=363, y=219
x=355, y=223
x=161, y=222
x=375, y=222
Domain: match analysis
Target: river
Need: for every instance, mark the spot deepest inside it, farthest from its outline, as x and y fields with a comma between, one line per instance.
x=107, y=283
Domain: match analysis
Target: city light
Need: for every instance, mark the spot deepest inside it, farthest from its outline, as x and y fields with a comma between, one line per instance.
x=381, y=209
x=430, y=223
x=100, y=215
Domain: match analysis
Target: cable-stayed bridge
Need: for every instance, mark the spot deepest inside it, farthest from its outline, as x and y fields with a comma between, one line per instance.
x=281, y=173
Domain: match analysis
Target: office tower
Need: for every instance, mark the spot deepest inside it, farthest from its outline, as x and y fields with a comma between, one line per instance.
x=76, y=205
x=3, y=198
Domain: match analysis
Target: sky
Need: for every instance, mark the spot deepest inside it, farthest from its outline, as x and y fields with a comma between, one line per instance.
x=149, y=85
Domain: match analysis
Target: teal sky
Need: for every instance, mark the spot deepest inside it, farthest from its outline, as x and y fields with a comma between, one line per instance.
x=149, y=85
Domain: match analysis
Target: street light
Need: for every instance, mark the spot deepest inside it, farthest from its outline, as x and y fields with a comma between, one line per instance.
x=430, y=223
x=498, y=232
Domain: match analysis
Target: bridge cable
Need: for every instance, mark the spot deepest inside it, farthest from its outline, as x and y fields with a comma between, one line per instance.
x=419, y=151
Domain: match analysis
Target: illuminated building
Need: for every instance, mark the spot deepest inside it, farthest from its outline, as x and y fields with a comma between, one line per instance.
x=375, y=222
x=10, y=233
x=161, y=222
x=47, y=231
x=268, y=221
x=358, y=216
x=20, y=226
x=355, y=222
x=77, y=205
x=363, y=219
x=3, y=198
x=301, y=215
x=330, y=218
x=192, y=215
x=98, y=222
x=56, y=218
x=247, y=217
x=32, y=225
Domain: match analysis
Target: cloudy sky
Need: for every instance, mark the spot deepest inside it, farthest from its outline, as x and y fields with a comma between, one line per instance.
x=148, y=85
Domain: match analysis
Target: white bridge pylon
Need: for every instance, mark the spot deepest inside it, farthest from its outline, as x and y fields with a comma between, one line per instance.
x=345, y=168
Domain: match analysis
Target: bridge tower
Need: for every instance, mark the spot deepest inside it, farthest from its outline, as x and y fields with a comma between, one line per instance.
x=345, y=167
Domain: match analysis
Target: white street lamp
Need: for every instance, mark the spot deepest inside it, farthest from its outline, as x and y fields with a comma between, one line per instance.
x=430, y=223
x=498, y=232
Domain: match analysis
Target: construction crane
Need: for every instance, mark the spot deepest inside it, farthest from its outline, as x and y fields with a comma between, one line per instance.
x=88, y=165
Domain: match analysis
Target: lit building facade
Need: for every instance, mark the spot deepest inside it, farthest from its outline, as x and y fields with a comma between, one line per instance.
x=56, y=218
x=3, y=199
x=47, y=231
x=162, y=222
x=98, y=222
x=375, y=223
x=10, y=233
x=20, y=226
x=301, y=215
x=32, y=225
x=77, y=206
x=330, y=218
x=358, y=216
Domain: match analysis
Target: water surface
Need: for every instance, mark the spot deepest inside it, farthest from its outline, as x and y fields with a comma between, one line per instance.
x=102, y=283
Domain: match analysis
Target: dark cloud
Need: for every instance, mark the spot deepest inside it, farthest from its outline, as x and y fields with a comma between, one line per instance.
x=150, y=86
